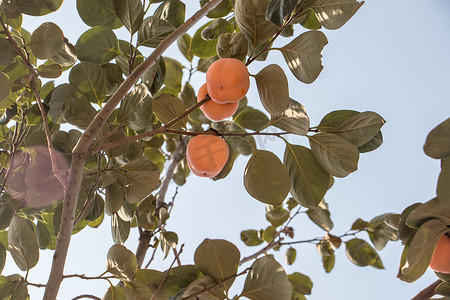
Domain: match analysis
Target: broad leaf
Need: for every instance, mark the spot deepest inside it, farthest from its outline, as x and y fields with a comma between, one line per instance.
x=49, y=71
x=201, y=284
x=22, y=242
x=443, y=186
x=420, y=249
x=360, y=252
x=135, y=109
x=273, y=89
x=373, y=144
x=309, y=182
x=184, y=42
x=267, y=280
x=251, y=18
x=2, y=257
x=167, y=108
x=232, y=45
x=380, y=233
x=221, y=10
x=98, y=45
x=153, y=30
x=114, y=293
x=294, y=119
x=130, y=12
x=301, y=283
x=67, y=55
x=321, y=216
x=251, y=237
x=172, y=11
x=279, y=9
x=359, y=128
x=218, y=259
x=437, y=144
x=168, y=241
x=5, y=86
x=120, y=229
x=38, y=7
x=121, y=262
x=433, y=209
x=252, y=119
x=303, y=55
x=333, y=14
x=78, y=112
x=46, y=40
x=98, y=12
x=200, y=47
x=91, y=80
x=8, y=52
x=328, y=262
x=290, y=256
x=276, y=215
x=215, y=29
x=265, y=178
x=335, y=154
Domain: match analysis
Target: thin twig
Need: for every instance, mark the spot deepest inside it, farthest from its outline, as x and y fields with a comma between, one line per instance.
x=83, y=276
x=269, y=246
x=87, y=296
x=166, y=274
x=216, y=285
x=427, y=292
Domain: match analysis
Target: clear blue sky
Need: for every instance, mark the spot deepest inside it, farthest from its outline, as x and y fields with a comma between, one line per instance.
x=391, y=58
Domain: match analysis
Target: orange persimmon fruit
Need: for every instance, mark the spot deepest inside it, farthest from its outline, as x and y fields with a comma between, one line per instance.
x=213, y=110
x=228, y=80
x=440, y=261
x=206, y=155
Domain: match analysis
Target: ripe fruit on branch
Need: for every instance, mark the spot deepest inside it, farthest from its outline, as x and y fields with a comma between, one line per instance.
x=440, y=261
x=228, y=80
x=206, y=155
x=213, y=110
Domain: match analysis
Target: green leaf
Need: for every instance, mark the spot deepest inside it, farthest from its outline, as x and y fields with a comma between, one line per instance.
x=98, y=45
x=420, y=250
x=168, y=240
x=267, y=280
x=321, y=216
x=443, y=185
x=328, y=262
x=309, y=20
x=335, y=154
x=130, y=12
x=10, y=285
x=46, y=40
x=276, y=215
x=221, y=10
x=373, y=144
x=360, y=252
x=290, y=256
x=121, y=262
x=152, y=31
x=6, y=214
x=251, y=18
x=301, y=283
x=233, y=45
x=78, y=112
x=90, y=80
x=114, y=293
x=184, y=43
x=49, y=71
x=359, y=128
x=137, y=290
x=215, y=29
x=433, y=209
x=437, y=144
x=22, y=242
x=8, y=52
x=138, y=178
x=174, y=73
x=200, y=47
x=251, y=237
x=167, y=108
x=218, y=259
x=380, y=233
x=265, y=178
x=187, y=95
x=309, y=182
x=114, y=198
x=136, y=109
x=155, y=76
x=45, y=232
x=172, y=11
x=199, y=285
x=335, y=118
x=67, y=55
x=269, y=234
x=294, y=119
x=443, y=289
x=120, y=229
x=5, y=86
x=98, y=12
x=38, y=7
x=277, y=10
x=273, y=89
x=303, y=55
x=251, y=118
x=333, y=14
x=2, y=258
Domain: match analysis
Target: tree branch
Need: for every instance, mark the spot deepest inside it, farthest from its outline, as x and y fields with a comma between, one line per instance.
x=81, y=150
x=428, y=292
x=269, y=246
x=87, y=297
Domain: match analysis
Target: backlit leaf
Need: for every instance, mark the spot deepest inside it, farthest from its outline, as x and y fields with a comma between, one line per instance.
x=120, y=229
x=333, y=14
x=130, y=12
x=98, y=12
x=301, y=283
x=5, y=86
x=135, y=109
x=200, y=47
x=167, y=108
x=437, y=144
x=251, y=18
x=252, y=119
x=273, y=89
x=98, y=45
x=277, y=10
x=294, y=119
x=443, y=186
x=309, y=182
x=46, y=40
x=265, y=178
x=303, y=55
x=232, y=45
x=38, y=7
x=22, y=242
x=360, y=252
x=7, y=52
x=153, y=30
x=172, y=11
x=91, y=80
x=267, y=280
x=121, y=262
